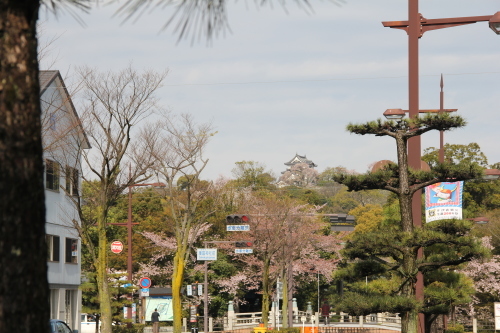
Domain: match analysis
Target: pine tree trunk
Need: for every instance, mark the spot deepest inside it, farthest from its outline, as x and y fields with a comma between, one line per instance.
x=409, y=320
x=24, y=291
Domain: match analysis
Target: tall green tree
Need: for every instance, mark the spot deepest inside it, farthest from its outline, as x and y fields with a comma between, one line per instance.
x=405, y=182
x=367, y=217
x=253, y=175
x=456, y=153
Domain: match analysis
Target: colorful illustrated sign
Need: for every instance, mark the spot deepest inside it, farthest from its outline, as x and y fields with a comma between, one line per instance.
x=443, y=201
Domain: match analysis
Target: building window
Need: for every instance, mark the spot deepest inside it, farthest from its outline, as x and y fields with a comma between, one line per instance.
x=52, y=121
x=51, y=175
x=53, y=247
x=71, y=250
x=71, y=180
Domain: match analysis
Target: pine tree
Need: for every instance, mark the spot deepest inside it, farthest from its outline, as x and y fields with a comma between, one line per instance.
x=395, y=250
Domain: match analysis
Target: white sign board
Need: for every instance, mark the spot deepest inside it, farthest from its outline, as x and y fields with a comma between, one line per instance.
x=200, y=289
x=144, y=292
x=206, y=254
x=237, y=227
x=497, y=315
x=243, y=250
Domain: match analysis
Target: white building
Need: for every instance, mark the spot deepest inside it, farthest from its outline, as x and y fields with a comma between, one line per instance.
x=63, y=140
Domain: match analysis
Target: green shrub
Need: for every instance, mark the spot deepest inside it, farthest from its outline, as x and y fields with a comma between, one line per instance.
x=457, y=328
x=136, y=328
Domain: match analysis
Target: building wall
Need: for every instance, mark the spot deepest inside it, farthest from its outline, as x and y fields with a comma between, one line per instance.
x=61, y=146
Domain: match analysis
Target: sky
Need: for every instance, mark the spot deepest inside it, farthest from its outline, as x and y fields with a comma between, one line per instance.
x=286, y=81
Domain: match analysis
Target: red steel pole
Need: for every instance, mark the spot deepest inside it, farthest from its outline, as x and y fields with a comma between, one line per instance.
x=414, y=144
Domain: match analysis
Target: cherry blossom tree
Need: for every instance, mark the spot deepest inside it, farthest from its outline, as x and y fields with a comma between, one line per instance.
x=300, y=174
x=286, y=239
x=179, y=162
x=486, y=277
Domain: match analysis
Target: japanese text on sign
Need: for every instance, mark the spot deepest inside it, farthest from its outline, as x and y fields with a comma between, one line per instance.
x=238, y=227
x=243, y=250
x=206, y=254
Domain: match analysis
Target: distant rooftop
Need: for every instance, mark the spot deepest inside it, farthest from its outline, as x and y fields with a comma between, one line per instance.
x=46, y=78
x=300, y=159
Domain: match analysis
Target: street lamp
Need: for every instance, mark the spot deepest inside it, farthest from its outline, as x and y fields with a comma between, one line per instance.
x=415, y=27
x=394, y=114
x=495, y=23
x=398, y=114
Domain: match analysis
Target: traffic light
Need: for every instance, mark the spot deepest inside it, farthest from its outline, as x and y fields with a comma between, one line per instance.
x=237, y=218
x=195, y=289
x=243, y=244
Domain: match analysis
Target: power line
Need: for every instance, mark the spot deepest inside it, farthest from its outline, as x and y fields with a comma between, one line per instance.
x=318, y=80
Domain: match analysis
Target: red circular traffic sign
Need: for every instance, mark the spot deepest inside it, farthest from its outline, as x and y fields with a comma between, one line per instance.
x=145, y=283
x=116, y=247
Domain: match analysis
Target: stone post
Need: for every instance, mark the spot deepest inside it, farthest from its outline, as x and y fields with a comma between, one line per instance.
x=230, y=315
x=184, y=325
x=295, y=310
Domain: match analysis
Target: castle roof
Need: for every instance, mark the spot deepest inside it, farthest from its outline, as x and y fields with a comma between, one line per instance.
x=300, y=159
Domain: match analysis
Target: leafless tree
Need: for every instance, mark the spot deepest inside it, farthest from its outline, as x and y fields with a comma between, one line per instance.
x=179, y=162
x=113, y=115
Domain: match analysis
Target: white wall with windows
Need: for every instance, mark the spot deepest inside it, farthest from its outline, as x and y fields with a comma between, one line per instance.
x=63, y=140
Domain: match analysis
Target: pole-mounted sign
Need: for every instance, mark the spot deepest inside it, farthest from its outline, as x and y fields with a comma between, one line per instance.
x=116, y=247
x=145, y=283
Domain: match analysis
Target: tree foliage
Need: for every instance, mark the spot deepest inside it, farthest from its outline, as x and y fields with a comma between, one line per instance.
x=368, y=218
x=456, y=153
x=253, y=175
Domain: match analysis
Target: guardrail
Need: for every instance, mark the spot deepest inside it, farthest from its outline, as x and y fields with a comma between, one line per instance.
x=252, y=319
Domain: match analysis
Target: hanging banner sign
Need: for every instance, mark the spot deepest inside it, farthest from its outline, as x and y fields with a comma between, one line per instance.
x=443, y=201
